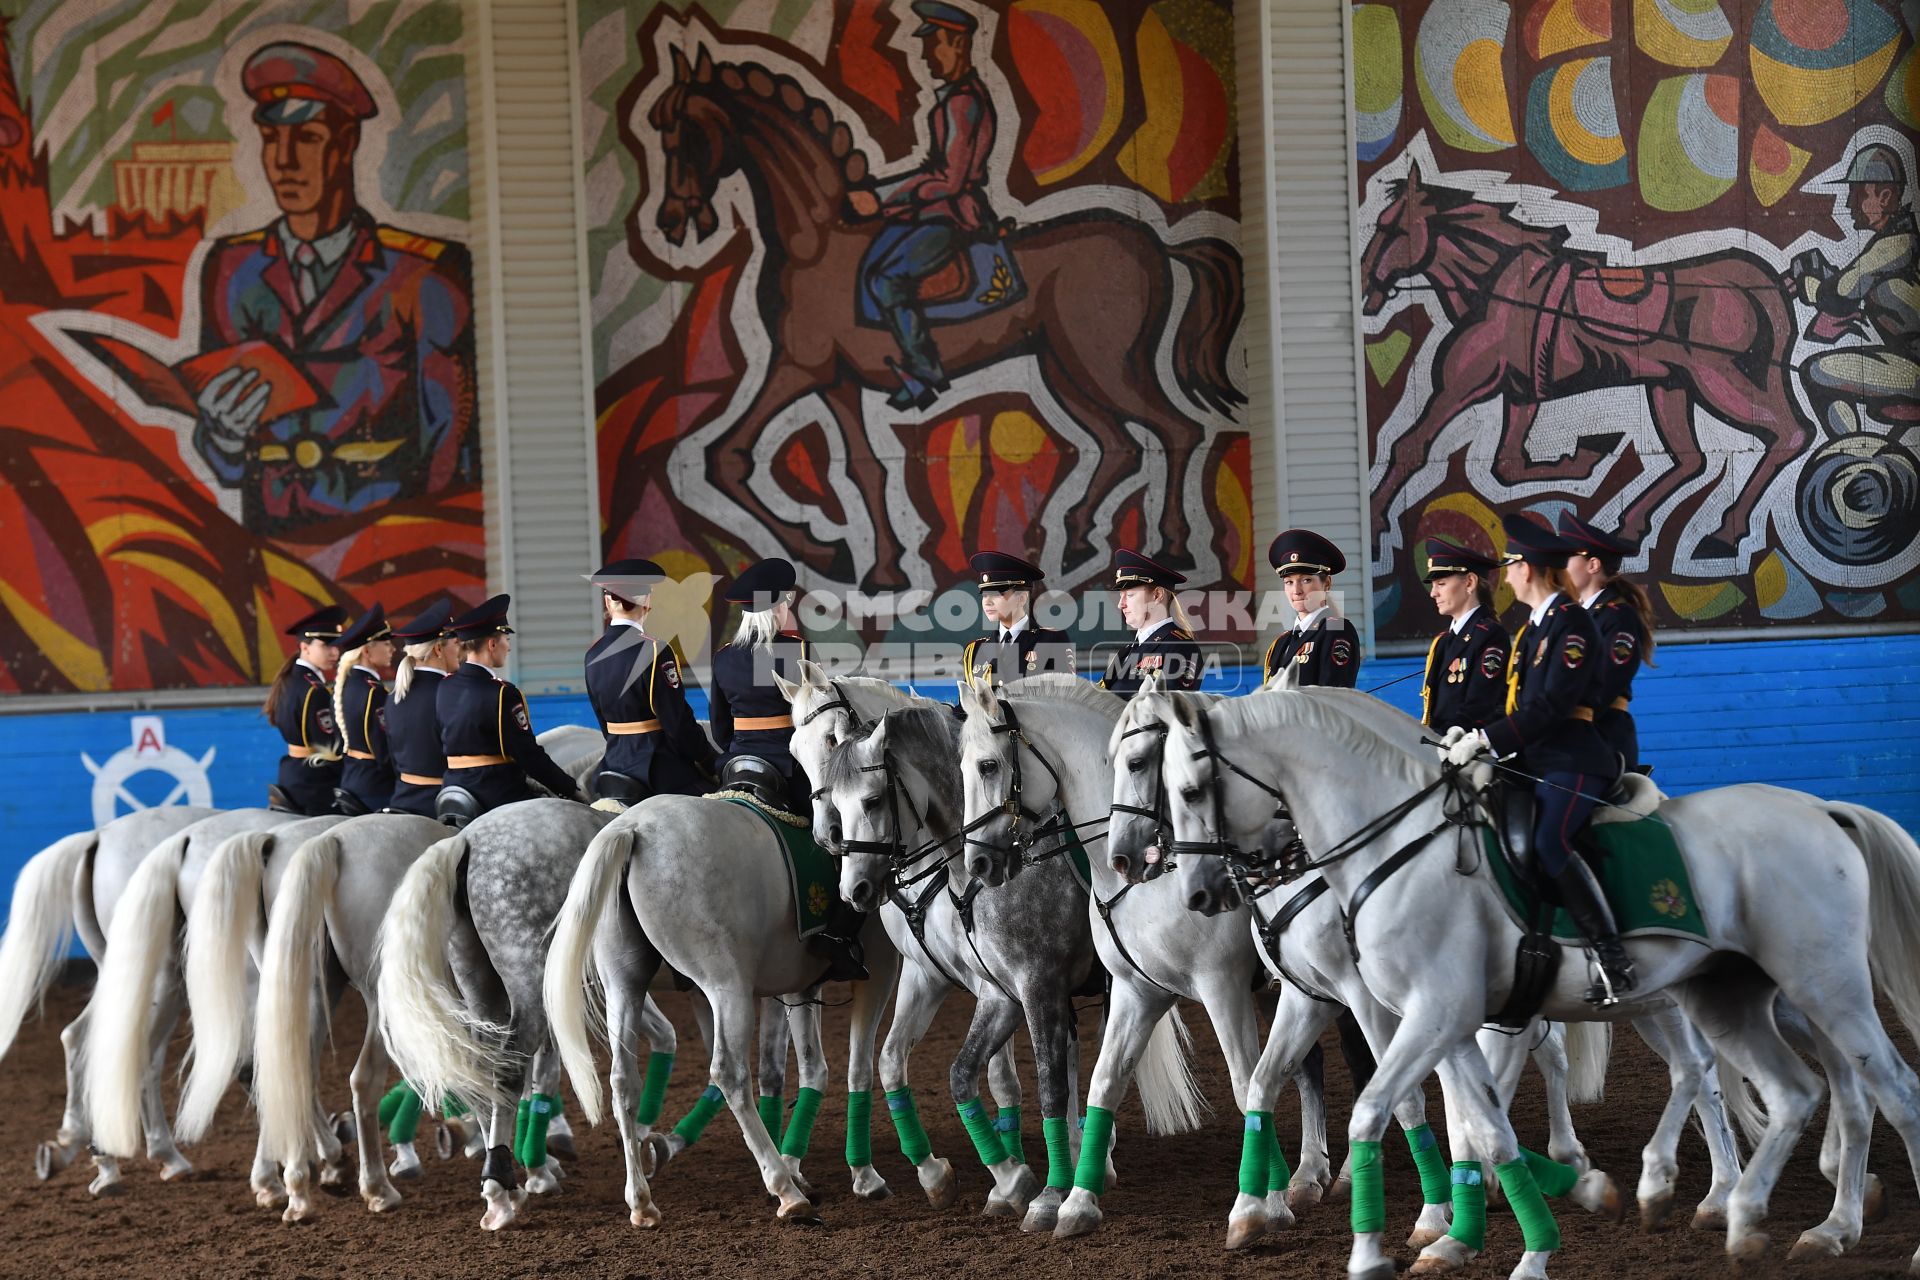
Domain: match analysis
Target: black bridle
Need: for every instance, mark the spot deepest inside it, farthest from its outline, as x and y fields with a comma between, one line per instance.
x=1055, y=826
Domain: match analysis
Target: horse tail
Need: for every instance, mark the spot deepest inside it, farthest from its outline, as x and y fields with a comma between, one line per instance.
x=39, y=928
x=570, y=958
x=1589, y=1046
x=437, y=1043
x=283, y=1072
x=1743, y=1104
x=1169, y=1094
x=220, y=922
x=1893, y=905
x=120, y=1028
x=1205, y=334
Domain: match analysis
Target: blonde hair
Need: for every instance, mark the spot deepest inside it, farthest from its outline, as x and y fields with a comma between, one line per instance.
x=1176, y=610
x=340, y=674
x=414, y=655
x=758, y=627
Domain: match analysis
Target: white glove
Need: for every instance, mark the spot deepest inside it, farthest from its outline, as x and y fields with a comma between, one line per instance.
x=1468, y=748
x=1454, y=735
x=231, y=405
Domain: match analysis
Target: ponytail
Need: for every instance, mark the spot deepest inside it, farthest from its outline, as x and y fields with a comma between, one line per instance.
x=340, y=674
x=1177, y=611
x=403, y=674
x=1637, y=597
x=268, y=707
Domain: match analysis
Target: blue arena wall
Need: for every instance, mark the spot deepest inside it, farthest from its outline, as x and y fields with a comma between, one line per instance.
x=1836, y=717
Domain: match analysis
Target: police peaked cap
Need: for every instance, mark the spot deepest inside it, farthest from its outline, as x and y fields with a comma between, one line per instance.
x=1130, y=569
x=1530, y=539
x=935, y=14
x=1304, y=551
x=490, y=619
x=628, y=580
x=1590, y=541
x=322, y=624
x=1446, y=557
x=292, y=83
x=998, y=571
x=372, y=626
x=430, y=625
x=761, y=583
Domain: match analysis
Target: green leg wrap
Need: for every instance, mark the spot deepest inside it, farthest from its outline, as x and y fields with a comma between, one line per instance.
x=654, y=1091
x=1253, y=1153
x=1469, y=1205
x=520, y=1130
x=1537, y=1227
x=1059, y=1152
x=694, y=1123
x=1279, y=1172
x=451, y=1107
x=1095, y=1137
x=859, y=1128
x=405, y=1120
x=906, y=1122
x=1426, y=1158
x=1369, y=1188
x=1006, y=1123
x=973, y=1114
x=799, y=1135
x=1553, y=1178
x=391, y=1103
x=540, y=1113
x=769, y=1108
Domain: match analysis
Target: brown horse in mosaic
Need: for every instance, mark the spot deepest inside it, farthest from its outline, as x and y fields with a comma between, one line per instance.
x=1100, y=294
x=1533, y=321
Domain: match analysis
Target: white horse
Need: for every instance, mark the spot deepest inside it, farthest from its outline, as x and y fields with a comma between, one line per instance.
x=1816, y=901
x=74, y=885
x=1301, y=934
x=708, y=886
x=305, y=910
x=924, y=926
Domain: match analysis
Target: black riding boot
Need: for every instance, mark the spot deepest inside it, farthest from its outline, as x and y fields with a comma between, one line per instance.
x=1581, y=897
x=838, y=943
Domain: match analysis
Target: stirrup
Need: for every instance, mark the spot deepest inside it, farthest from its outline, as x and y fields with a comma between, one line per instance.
x=1603, y=993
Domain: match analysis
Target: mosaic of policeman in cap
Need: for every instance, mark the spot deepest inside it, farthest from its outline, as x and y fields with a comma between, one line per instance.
x=942, y=203
x=1872, y=294
x=360, y=703
x=1548, y=730
x=300, y=704
x=1624, y=617
x=429, y=653
x=1322, y=645
x=655, y=746
x=484, y=726
x=1466, y=676
x=1163, y=647
x=1017, y=646
x=749, y=716
x=377, y=319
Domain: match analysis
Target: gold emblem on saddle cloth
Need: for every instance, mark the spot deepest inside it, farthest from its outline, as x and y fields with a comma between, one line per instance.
x=817, y=899
x=1666, y=899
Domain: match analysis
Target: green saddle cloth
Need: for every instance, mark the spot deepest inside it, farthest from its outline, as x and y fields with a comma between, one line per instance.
x=815, y=885
x=1643, y=875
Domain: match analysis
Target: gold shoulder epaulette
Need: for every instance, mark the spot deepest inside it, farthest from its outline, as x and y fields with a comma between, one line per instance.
x=407, y=242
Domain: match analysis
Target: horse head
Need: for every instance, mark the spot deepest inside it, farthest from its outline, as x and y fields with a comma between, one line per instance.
x=861, y=795
x=990, y=780
x=1136, y=835
x=696, y=139
x=1402, y=243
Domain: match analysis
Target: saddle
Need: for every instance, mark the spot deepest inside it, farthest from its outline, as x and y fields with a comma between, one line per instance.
x=347, y=803
x=279, y=801
x=608, y=785
x=456, y=806
x=758, y=778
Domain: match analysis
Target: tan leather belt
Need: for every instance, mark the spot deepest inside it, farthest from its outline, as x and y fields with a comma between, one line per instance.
x=419, y=780
x=1618, y=704
x=1583, y=713
x=633, y=726
x=299, y=753
x=359, y=755
x=476, y=762
x=763, y=722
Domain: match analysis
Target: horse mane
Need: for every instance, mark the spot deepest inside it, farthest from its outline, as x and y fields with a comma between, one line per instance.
x=1345, y=717
x=926, y=736
x=1057, y=686
x=814, y=116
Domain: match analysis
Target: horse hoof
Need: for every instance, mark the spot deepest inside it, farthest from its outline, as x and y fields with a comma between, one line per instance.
x=1072, y=1223
x=944, y=1190
x=881, y=1192
x=1657, y=1211
x=1709, y=1218
x=1443, y=1257
x=1243, y=1232
x=1598, y=1194
x=176, y=1168
x=1342, y=1187
x=1873, y=1206
x=800, y=1213
x=996, y=1208
x=381, y=1201
x=407, y=1170
x=1814, y=1245
x=106, y=1185
x=1378, y=1271
x=50, y=1158
x=298, y=1212
x=655, y=1152
x=646, y=1218
x=561, y=1145
x=1421, y=1237
x=1748, y=1251
x=443, y=1142
x=269, y=1197
x=344, y=1128
x=1303, y=1195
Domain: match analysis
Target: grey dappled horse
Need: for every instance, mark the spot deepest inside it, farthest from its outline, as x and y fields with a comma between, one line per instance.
x=1819, y=901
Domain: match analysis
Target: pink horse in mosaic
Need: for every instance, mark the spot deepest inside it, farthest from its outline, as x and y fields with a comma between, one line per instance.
x=1530, y=320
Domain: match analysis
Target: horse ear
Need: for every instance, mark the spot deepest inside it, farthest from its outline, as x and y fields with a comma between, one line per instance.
x=1186, y=712
x=811, y=675
x=703, y=70
x=787, y=688
x=970, y=700
x=682, y=72
x=1289, y=677
x=878, y=738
